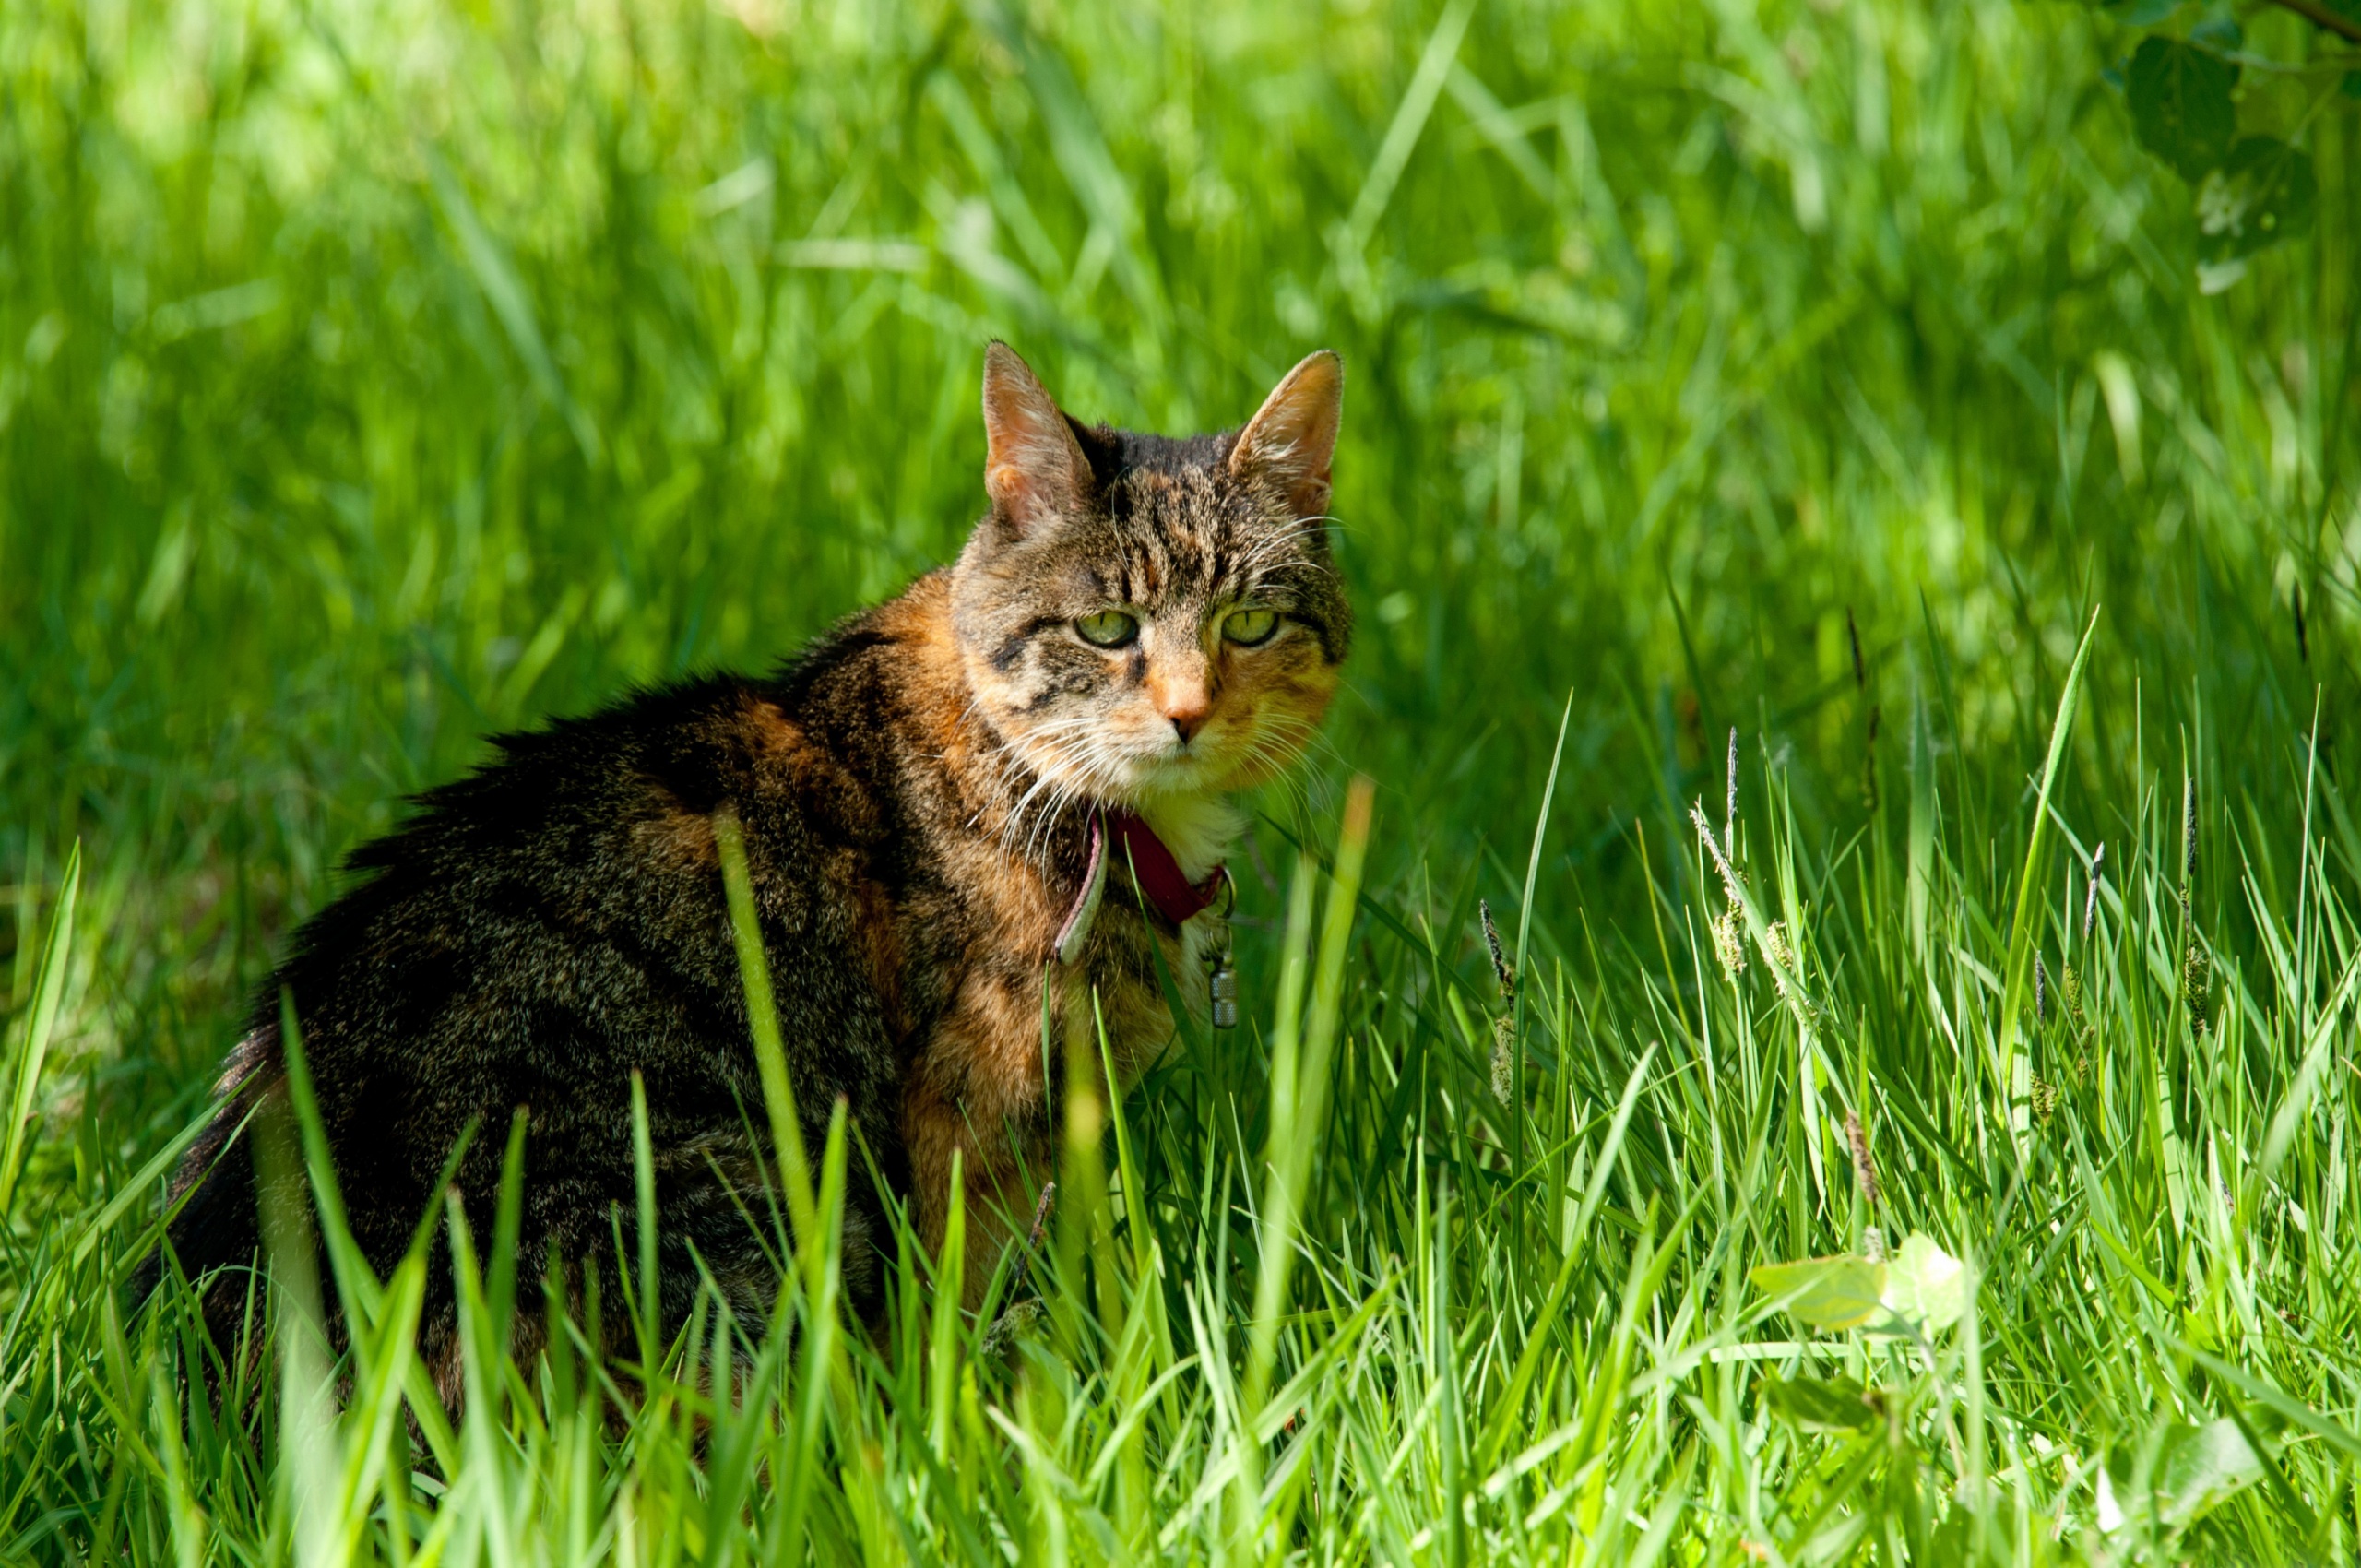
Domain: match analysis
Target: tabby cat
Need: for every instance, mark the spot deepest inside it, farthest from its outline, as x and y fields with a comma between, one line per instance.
x=965, y=811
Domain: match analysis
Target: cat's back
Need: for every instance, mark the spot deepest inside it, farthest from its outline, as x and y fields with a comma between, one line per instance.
x=593, y=827
x=555, y=922
x=599, y=830
x=557, y=919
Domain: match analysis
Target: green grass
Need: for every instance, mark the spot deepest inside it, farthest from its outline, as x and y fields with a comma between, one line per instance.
x=375, y=375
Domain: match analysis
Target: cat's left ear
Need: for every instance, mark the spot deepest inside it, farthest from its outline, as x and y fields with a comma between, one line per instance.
x=1292, y=438
x=1034, y=469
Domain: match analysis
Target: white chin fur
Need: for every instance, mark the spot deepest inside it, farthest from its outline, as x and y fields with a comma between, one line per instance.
x=1199, y=828
x=1181, y=798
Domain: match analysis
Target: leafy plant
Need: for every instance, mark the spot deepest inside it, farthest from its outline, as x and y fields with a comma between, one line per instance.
x=1921, y=1290
x=2247, y=192
x=2174, y=1478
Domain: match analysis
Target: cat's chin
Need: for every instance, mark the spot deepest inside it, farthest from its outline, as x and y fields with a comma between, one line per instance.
x=1140, y=780
x=1185, y=777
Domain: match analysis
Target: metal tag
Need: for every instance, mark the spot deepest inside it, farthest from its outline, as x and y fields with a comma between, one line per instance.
x=1224, y=988
x=1222, y=984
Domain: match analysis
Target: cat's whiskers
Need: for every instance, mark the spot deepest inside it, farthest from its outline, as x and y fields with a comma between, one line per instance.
x=1278, y=741
x=1060, y=792
x=1098, y=778
x=1014, y=764
x=1012, y=760
x=1069, y=757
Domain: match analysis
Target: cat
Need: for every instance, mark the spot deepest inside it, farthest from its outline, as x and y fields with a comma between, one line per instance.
x=992, y=799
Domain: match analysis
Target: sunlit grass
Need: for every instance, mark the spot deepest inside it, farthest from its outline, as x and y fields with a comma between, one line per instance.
x=375, y=375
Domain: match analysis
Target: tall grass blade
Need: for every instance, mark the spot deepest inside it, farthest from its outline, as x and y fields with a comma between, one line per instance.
x=1299, y=1111
x=39, y=1024
x=1408, y=123
x=762, y=1018
x=2016, y=1077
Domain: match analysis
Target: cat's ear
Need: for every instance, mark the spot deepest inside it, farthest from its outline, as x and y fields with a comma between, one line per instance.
x=1034, y=469
x=1291, y=439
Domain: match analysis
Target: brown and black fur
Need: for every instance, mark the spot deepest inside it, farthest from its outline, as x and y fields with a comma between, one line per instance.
x=913, y=790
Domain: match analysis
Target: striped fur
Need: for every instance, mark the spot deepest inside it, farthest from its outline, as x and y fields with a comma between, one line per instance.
x=912, y=789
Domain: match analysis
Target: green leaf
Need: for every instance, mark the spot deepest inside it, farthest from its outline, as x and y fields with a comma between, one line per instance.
x=2192, y=1471
x=1836, y=1403
x=2203, y=1466
x=2180, y=105
x=2264, y=193
x=1926, y=1285
x=1839, y=1292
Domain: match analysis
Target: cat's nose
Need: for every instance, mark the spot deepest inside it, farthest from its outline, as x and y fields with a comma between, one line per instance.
x=1184, y=695
x=1187, y=718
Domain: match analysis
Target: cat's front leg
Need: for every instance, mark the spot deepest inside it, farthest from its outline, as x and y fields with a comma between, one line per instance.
x=978, y=1089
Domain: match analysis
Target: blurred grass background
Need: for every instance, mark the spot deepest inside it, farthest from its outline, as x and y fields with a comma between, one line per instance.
x=383, y=374
x=375, y=375
x=388, y=373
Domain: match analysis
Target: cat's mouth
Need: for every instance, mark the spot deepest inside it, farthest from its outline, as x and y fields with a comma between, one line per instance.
x=1240, y=753
x=1181, y=765
x=1177, y=767
x=1143, y=769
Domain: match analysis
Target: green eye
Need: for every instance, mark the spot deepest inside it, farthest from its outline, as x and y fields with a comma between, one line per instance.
x=1108, y=628
x=1247, y=627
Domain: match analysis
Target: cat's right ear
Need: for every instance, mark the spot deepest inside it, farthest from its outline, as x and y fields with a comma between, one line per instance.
x=1291, y=440
x=1034, y=469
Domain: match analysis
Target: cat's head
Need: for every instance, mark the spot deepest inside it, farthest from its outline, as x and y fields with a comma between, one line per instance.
x=1141, y=617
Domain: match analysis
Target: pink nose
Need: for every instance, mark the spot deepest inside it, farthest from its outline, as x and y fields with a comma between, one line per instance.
x=1187, y=721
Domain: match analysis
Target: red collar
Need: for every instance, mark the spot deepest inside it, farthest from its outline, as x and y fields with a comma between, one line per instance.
x=1154, y=871
x=1157, y=872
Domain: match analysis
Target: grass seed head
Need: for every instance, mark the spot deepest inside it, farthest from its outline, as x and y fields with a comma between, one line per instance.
x=1729, y=809
x=2091, y=893
x=1503, y=970
x=1730, y=943
x=2188, y=837
x=2196, y=980
x=1865, y=1169
x=1869, y=760
x=1722, y=865
x=2040, y=991
x=1783, y=955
